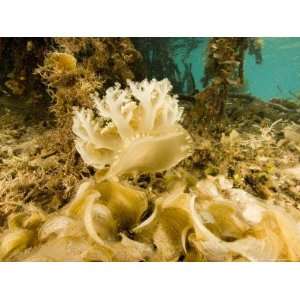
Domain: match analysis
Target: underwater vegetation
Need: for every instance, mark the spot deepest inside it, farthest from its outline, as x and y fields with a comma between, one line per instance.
x=39, y=160
x=123, y=169
x=224, y=72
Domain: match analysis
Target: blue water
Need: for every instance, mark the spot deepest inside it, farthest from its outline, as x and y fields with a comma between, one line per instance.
x=277, y=76
x=197, y=59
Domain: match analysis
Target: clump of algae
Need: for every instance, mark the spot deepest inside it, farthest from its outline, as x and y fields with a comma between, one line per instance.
x=39, y=162
x=233, y=199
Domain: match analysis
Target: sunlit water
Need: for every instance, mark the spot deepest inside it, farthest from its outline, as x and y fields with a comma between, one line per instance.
x=278, y=76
